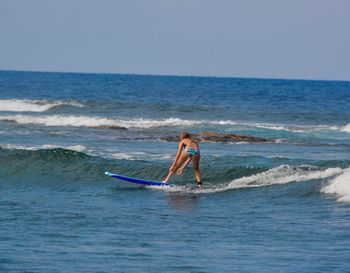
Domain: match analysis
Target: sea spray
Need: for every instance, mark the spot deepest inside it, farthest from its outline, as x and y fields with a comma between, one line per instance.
x=340, y=186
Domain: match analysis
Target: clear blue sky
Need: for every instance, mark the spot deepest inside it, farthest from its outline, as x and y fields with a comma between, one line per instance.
x=302, y=39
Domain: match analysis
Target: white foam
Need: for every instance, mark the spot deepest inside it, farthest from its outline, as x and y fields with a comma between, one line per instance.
x=143, y=123
x=282, y=175
x=18, y=147
x=301, y=128
x=121, y=155
x=89, y=151
x=272, y=127
x=224, y=122
x=87, y=121
x=281, y=140
x=340, y=186
x=47, y=146
x=346, y=128
x=77, y=148
x=149, y=123
x=59, y=120
x=17, y=105
x=275, y=176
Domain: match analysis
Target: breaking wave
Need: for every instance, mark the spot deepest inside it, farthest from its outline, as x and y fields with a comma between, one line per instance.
x=87, y=121
x=23, y=105
x=282, y=175
x=276, y=176
x=142, y=123
x=340, y=186
x=145, y=123
x=303, y=129
x=75, y=161
x=346, y=128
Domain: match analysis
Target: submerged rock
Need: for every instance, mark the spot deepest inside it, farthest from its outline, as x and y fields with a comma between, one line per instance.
x=219, y=137
x=114, y=127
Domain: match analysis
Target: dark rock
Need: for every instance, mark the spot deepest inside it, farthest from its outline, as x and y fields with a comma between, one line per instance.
x=218, y=137
x=113, y=127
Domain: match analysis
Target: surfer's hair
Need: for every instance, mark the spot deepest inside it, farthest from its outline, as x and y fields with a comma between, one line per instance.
x=185, y=135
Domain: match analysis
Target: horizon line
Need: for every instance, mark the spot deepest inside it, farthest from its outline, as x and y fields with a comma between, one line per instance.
x=170, y=75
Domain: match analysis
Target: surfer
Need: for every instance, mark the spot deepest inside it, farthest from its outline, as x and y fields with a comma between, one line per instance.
x=188, y=150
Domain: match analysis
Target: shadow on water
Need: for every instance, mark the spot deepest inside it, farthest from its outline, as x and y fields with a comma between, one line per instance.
x=183, y=202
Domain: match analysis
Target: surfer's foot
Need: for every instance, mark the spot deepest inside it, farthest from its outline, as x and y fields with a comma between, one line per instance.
x=164, y=181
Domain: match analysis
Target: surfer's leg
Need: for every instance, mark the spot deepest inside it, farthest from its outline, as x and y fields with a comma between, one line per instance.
x=197, y=172
x=182, y=159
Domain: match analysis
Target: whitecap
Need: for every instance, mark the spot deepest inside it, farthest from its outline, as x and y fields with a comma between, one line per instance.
x=59, y=120
x=24, y=105
x=276, y=176
x=88, y=121
x=282, y=175
x=340, y=186
x=346, y=128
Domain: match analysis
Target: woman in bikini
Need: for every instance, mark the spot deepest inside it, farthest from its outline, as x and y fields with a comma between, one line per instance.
x=188, y=150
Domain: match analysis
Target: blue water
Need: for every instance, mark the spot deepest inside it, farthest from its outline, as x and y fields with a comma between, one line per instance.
x=278, y=206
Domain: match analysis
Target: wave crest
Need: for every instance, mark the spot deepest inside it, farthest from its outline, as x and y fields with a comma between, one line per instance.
x=276, y=176
x=142, y=123
x=282, y=175
x=346, y=128
x=340, y=186
x=87, y=121
x=18, y=105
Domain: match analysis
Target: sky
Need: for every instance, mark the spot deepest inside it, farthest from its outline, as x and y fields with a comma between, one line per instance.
x=292, y=39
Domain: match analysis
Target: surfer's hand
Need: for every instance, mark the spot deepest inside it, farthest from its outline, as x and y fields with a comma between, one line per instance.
x=179, y=171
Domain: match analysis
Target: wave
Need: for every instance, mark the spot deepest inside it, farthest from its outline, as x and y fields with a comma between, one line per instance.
x=50, y=165
x=282, y=175
x=75, y=164
x=87, y=121
x=80, y=149
x=276, y=176
x=77, y=148
x=340, y=186
x=23, y=105
x=60, y=120
x=346, y=128
x=146, y=123
x=302, y=128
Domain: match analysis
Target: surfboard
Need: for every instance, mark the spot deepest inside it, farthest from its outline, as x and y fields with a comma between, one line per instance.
x=138, y=181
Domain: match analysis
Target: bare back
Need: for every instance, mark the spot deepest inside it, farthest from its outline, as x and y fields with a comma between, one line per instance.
x=190, y=143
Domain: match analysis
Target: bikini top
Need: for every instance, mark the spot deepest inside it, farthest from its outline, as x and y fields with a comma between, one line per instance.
x=189, y=143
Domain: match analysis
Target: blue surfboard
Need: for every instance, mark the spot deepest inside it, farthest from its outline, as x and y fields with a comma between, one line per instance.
x=138, y=181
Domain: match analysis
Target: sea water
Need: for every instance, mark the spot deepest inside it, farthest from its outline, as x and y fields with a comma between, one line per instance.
x=278, y=206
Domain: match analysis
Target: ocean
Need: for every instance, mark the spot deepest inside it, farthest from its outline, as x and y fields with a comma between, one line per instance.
x=282, y=205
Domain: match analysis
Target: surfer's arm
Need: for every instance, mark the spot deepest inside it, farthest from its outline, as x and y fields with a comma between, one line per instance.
x=184, y=165
x=178, y=154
